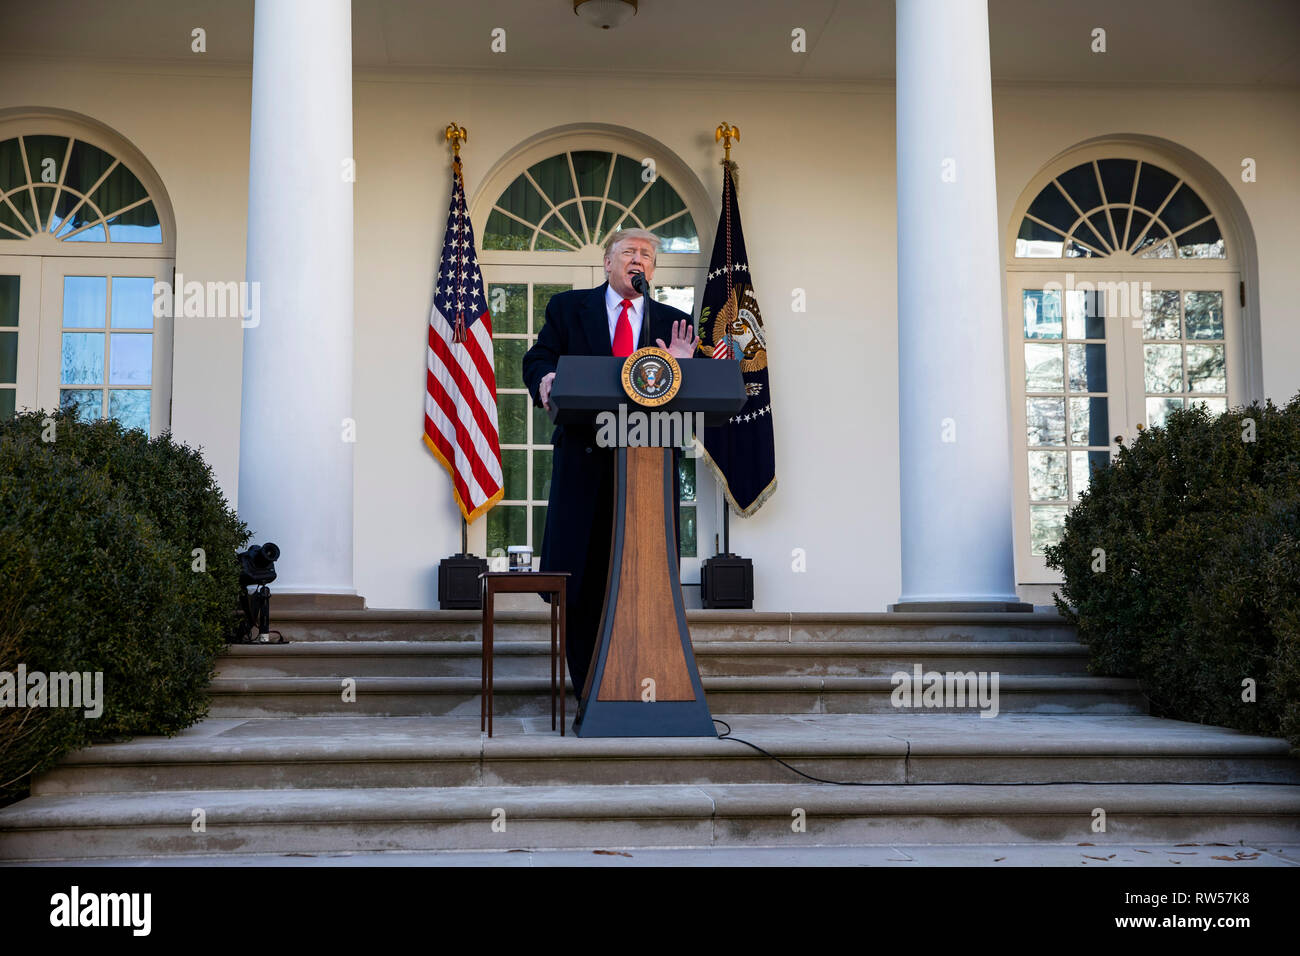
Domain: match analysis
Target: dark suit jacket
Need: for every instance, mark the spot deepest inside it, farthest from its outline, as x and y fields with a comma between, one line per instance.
x=577, y=324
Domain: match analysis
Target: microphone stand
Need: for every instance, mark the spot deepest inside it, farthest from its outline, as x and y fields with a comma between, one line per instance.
x=642, y=285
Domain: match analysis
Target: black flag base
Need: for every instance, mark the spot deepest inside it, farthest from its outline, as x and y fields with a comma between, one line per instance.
x=458, y=583
x=727, y=581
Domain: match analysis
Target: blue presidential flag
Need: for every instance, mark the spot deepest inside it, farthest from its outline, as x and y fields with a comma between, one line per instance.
x=741, y=452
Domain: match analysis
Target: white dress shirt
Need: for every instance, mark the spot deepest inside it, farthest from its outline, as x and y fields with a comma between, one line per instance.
x=614, y=308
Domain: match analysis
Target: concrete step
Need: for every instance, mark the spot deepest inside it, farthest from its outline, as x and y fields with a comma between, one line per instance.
x=530, y=696
x=439, y=818
x=715, y=658
x=1007, y=855
x=381, y=624
x=348, y=753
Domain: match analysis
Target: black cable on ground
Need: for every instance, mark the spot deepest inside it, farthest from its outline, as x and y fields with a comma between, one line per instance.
x=838, y=783
x=996, y=783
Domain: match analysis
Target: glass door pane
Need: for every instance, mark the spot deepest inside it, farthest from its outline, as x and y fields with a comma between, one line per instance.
x=1067, y=367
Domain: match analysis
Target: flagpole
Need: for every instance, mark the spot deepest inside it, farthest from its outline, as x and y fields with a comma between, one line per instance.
x=726, y=132
x=727, y=579
x=457, y=134
x=726, y=526
x=458, y=285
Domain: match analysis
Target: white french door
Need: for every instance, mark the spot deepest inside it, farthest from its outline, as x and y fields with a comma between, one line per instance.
x=101, y=348
x=1092, y=356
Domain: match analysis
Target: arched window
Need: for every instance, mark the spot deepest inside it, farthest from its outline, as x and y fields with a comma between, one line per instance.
x=85, y=233
x=578, y=197
x=73, y=190
x=1095, y=208
x=1123, y=300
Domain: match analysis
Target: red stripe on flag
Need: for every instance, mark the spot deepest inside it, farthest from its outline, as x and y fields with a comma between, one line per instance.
x=486, y=483
x=482, y=364
x=444, y=401
x=442, y=353
x=481, y=361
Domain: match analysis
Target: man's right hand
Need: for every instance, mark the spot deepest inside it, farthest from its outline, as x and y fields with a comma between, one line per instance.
x=544, y=389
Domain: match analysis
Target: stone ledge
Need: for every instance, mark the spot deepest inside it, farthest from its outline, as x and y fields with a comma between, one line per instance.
x=1011, y=683
x=818, y=735
x=630, y=803
x=315, y=601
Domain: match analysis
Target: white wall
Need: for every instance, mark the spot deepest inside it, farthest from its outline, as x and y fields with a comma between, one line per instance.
x=817, y=198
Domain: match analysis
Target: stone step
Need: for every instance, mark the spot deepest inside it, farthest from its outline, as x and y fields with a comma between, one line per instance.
x=530, y=696
x=347, y=753
x=716, y=658
x=380, y=624
x=437, y=818
x=1002, y=855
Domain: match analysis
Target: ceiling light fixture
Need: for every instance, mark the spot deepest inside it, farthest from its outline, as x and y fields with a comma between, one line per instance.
x=605, y=14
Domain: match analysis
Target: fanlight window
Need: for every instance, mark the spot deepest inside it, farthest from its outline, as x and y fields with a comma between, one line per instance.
x=72, y=190
x=579, y=197
x=1099, y=207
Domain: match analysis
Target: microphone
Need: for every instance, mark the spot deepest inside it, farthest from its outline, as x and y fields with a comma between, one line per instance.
x=640, y=284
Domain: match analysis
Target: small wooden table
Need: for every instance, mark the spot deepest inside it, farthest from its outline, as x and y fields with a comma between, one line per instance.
x=522, y=582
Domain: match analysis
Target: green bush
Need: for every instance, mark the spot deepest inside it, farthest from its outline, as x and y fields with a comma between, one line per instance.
x=1182, y=566
x=97, y=536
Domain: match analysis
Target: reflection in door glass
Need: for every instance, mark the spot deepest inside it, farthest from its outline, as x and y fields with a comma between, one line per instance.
x=1066, y=402
x=678, y=296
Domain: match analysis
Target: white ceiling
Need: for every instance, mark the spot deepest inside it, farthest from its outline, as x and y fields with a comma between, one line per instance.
x=1216, y=42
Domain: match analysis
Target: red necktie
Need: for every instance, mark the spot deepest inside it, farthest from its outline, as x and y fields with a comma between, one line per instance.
x=623, y=332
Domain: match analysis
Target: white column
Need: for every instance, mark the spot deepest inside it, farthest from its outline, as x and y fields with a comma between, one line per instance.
x=954, y=448
x=295, y=466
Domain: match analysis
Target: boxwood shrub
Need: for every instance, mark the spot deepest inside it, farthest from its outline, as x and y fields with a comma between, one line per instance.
x=99, y=527
x=1181, y=567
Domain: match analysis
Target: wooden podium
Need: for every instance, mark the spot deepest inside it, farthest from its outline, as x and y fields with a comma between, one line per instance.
x=643, y=680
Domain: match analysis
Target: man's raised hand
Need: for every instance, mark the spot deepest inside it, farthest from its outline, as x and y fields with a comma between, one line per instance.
x=684, y=341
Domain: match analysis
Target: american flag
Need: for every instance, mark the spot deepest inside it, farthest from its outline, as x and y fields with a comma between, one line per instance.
x=460, y=401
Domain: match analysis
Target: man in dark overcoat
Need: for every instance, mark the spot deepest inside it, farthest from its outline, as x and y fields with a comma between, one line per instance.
x=608, y=320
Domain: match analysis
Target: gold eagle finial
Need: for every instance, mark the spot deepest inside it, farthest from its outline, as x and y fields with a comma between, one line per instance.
x=726, y=132
x=456, y=135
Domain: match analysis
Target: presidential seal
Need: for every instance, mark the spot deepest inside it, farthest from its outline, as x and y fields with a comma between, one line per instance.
x=739, y=318
x=651, y=376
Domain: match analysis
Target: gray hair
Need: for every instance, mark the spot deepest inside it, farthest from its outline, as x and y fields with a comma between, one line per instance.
x=625, y=234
